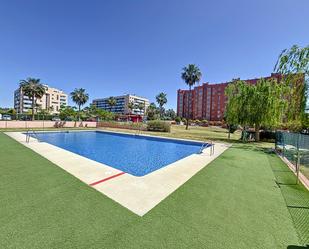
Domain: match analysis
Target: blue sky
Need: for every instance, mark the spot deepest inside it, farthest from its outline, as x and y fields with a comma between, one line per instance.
x=140, y=46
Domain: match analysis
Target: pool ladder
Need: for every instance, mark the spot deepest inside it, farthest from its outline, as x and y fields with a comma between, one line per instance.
x=205, y=145
x=28, y=135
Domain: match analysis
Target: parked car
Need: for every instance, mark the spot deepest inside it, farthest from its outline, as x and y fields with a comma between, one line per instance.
x=6, y=117
x=25, y=118
x=56, y=119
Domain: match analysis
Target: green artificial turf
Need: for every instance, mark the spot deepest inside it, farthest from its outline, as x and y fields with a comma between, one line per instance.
x=232, y=203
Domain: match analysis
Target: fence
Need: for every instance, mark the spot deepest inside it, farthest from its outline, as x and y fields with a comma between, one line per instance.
x=15, y=124
x=295, y=148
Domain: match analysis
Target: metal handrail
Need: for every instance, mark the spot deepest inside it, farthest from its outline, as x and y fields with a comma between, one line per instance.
x=212, y=147
x=203, y=147
x=28, y=135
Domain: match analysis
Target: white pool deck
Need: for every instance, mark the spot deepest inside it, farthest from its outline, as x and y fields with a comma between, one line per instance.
x=138, y=194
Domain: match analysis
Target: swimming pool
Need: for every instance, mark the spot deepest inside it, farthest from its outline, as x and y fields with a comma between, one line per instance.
x=136, y=155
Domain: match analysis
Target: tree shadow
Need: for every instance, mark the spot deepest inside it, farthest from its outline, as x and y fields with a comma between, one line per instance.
x=285, y=183
x=253, y=147
x=298, y=207
x=297, y=247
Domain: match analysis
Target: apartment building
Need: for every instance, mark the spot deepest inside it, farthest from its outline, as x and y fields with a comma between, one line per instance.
x=208, y=101
x=51, y=100
x=122, y=103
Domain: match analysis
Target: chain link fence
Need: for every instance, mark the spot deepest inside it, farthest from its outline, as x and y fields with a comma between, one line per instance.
x=295, y=147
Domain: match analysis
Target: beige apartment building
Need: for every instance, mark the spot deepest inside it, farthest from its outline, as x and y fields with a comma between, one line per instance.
x=122, y=103
x=51, y=100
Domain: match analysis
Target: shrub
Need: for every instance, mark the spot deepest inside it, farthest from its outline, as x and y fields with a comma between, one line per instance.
x=268, y=135
x=232, y=128
x=177, y=119
x=218, y=123
x=157, y=125
x=204, y=123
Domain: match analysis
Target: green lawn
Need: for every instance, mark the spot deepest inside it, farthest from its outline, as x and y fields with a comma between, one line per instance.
x=232, y=203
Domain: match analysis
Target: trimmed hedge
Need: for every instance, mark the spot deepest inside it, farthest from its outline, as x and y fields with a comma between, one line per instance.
x=122, y=125
x=267, y=135
x=157, y=125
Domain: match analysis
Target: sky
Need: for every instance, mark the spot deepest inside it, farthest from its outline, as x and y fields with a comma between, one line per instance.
x=140, y=46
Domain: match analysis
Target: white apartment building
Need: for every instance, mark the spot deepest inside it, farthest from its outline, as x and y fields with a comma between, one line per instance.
x=122, y=102
x=51, y=100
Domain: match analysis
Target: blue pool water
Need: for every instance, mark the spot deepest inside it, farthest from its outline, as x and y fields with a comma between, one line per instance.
x=136, y=155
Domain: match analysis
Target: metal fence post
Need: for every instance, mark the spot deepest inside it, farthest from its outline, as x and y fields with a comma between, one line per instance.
x=283, y=144
x=298, y=159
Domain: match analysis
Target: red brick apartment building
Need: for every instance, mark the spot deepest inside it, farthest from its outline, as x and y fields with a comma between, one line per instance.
x=207, y=101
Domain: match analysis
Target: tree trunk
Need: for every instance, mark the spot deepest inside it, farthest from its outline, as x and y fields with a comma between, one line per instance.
x=187, y=124
x=33, y=104
x=257, y=133
x=78, y=113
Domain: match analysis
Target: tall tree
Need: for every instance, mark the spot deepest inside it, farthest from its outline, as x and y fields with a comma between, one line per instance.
x=79, y=97
x=90, y=111
x=257, y=105
x=152, y=112
x=34, y=90
x=111, y=101
x=141, y=107
x=191, y=75
x=130, y=106
x=170, y=114
x=67, y=112
x=293, y=63
x=161, y=99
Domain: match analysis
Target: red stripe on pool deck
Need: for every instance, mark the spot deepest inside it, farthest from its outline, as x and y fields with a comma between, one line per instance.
x=106, y=179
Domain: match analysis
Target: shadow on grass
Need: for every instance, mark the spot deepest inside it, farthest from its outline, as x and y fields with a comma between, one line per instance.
x=298, y=207
x=259, y=147
x=297, y=247
x=285, y=184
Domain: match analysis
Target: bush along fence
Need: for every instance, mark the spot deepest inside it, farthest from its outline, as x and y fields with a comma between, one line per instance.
x=122, y=125
x=157, y=125
x=295, y=148
x=154, y=125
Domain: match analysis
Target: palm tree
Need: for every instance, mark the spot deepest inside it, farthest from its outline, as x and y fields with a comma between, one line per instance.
x=130, y=107
x=141, y=107
x=79, y=97
x=32, y=88
x=111, y=101
x=161, y=100
x=191, y=75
